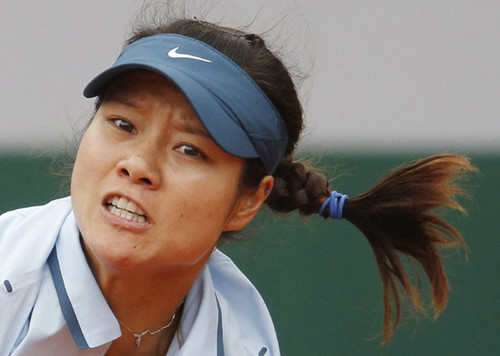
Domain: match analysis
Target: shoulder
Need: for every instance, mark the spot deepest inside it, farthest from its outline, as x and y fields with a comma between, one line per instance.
x=26, y=238
x=227, y=277
x=27, y=235
x=15, y=216
x=243, y=308
x=12, y=219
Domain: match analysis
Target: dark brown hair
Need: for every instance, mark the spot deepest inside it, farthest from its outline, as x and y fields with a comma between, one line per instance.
x=397, y=215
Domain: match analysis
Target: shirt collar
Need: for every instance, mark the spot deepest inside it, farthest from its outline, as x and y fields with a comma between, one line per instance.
x=87, y=314
x=198, y=327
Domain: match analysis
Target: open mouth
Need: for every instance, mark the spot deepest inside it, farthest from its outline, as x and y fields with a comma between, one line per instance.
x=126, y=209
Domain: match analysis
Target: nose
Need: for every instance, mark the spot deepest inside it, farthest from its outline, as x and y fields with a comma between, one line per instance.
x=140, y=170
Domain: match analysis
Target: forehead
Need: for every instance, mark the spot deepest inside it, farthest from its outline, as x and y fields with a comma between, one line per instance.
x=136, y=89
x=140, y=82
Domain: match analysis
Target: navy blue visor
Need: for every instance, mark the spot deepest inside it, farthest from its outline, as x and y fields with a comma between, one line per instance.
x=233, y=108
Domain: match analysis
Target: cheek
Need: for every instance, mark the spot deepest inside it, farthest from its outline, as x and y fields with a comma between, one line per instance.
x=200, y=210
x=205, y=201
x=87, y=172
x=219, y=201
x=77, y=176
x=90, y=160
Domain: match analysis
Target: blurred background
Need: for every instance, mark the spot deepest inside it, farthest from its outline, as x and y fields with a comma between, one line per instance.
x=383, y=82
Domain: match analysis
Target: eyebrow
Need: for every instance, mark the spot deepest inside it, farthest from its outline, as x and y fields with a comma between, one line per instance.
x=121, y=98
x=190, y=124
x=194, y=126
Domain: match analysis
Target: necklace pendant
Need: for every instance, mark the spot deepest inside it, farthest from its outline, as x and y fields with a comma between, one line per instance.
x=138, y=340
x=138, y=337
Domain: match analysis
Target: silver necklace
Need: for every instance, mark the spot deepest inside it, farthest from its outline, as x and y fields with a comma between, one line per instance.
x=138, y=336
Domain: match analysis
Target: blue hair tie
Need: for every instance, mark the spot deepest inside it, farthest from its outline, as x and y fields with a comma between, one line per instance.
x=335, y=204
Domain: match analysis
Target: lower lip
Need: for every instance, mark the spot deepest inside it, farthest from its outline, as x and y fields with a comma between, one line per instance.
x=122, y=222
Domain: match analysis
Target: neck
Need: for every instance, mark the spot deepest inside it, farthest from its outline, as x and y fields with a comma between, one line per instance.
x=142, y=300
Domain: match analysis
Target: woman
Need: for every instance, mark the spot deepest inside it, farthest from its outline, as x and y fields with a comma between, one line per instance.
x=194, y=130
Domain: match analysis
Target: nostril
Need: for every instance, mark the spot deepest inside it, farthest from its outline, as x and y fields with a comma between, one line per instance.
x=125, y=172
x=136, y=175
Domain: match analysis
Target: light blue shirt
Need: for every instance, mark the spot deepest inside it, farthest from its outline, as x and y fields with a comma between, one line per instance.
x=51, y=304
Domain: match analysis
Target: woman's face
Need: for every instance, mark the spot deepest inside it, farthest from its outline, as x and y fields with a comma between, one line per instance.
x=150, y=187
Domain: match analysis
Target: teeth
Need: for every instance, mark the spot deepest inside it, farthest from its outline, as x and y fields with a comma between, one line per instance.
x=122, y=203
x=126, y=209
x=131, y=206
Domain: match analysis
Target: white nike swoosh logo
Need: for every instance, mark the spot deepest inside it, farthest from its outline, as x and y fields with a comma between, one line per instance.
x=173, y=54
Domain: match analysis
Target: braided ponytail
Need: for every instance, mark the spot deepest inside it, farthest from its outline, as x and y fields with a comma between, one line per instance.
x=297, y=186
x=398, y=218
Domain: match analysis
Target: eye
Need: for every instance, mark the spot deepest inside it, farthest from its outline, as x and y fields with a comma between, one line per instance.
x=124, y=125
x=190, y=151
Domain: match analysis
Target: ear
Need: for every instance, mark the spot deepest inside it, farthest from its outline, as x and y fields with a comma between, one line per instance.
x=249, y=204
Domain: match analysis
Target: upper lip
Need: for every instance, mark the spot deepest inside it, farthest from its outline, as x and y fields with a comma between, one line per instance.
x=140, y=209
